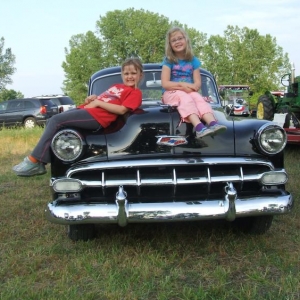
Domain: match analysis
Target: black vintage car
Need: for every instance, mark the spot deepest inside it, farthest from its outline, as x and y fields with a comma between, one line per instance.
x=149, y=167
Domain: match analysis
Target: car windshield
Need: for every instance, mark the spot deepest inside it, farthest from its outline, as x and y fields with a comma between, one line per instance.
x=236, y=95
x=151, y=86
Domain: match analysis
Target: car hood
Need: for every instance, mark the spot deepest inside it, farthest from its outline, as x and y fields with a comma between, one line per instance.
x=140, y=134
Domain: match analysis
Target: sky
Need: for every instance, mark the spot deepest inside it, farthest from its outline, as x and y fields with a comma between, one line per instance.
x=38, y=31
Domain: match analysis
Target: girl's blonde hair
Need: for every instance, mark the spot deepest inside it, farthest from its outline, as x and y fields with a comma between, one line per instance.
x=170, y=55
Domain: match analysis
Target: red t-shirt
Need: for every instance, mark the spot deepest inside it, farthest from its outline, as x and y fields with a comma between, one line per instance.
x=119, y=94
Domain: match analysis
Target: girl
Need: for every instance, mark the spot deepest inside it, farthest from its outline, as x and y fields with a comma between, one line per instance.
x=97, y=112
x=181, y=82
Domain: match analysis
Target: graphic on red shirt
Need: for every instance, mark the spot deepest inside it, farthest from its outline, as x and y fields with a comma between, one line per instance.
x=111, y=94
x=118, y=94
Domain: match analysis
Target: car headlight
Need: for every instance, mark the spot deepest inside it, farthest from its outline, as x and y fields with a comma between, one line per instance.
x=67, y=145
x=271, y=138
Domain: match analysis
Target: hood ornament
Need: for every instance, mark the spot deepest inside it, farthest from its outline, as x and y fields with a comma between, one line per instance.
x=171, y=140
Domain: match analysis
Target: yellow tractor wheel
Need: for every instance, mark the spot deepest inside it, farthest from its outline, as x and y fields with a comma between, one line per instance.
x=265, y=110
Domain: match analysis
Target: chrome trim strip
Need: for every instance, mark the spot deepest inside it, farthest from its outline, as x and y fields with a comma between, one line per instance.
x=172, y=180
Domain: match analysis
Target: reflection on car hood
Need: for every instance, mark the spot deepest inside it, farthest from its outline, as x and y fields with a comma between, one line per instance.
x=139, y=134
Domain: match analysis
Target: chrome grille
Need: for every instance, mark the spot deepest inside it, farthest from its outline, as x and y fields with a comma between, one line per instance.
x=176, y=178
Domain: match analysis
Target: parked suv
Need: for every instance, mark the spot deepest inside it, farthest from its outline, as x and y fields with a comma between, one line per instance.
x=27, y=112
x=63, y=102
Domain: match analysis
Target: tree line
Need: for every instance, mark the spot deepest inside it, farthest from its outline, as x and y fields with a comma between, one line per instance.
x=240, y=56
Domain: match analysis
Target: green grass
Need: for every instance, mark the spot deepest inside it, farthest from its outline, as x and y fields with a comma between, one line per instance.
x=204, y=260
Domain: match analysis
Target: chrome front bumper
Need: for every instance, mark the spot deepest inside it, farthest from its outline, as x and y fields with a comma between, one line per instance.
x=122, y=212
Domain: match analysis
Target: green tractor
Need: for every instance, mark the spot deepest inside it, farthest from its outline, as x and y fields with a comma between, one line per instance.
x=287, y=103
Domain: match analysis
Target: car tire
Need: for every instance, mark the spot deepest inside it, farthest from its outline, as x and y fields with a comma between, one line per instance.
x=29, y=122
x=253, y=225
x=81, y=232
x=265, y=109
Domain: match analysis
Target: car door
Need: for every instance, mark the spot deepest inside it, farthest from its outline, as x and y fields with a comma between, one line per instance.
x=3, y=106
x=14, y=112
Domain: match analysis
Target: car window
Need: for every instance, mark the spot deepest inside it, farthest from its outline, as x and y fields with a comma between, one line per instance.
x=15, y=105
x=3, y=106
x=209, y=90
x=29, y=104
x=55, y=101
x=47, y=102
x=66, y=101
x=103, y=83
x=151, y=86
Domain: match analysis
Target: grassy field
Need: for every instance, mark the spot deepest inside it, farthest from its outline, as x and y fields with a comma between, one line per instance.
x=204, y=260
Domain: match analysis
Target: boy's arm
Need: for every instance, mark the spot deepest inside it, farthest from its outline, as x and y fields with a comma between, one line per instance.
x=130, y=103
x=110, y=107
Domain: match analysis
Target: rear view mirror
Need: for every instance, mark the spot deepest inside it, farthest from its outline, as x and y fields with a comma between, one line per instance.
x=153, y=83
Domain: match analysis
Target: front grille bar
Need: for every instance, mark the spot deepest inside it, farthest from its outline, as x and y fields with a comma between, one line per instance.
x=139, y=167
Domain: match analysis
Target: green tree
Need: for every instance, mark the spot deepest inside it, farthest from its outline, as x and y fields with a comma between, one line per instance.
x=7, y=61
x=243, y=56
x=133, y=33
x=85, y=57
x=121, y=34
x=198, y=40
x=10, y=94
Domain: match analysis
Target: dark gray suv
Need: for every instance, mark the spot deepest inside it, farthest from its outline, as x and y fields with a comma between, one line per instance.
x=27, y=112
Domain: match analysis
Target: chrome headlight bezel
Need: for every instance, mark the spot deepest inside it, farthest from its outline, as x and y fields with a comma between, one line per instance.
x=67, y=145
x=271, y=139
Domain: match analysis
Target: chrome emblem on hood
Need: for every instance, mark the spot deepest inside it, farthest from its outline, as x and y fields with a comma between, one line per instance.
x=168, y=140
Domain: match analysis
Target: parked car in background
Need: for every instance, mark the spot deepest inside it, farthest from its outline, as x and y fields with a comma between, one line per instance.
x=27, y=112
x=63, y=102
x=149, y=167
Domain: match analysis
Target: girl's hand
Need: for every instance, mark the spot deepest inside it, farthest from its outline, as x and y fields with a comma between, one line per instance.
x=90, y=98
x=194, y=87
x=92, y=104
x=189, y=87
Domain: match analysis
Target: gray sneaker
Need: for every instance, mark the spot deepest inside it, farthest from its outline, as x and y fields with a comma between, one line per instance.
x=218, y=128
x=205, y=131
x=28, y=168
